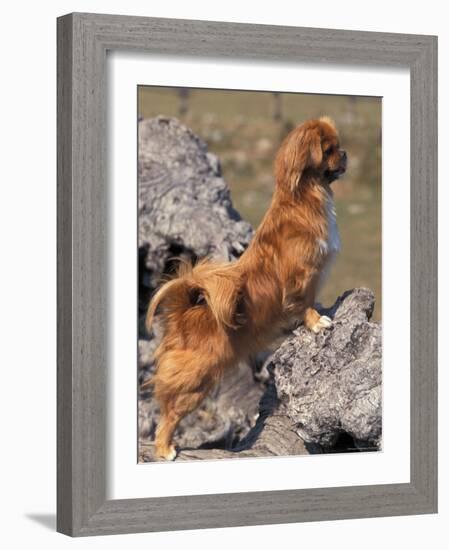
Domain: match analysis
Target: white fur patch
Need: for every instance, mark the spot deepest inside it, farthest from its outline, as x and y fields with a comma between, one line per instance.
x=323, y=322
x=170, y=454
x=332, y=245
x=323, y=246
x=333, y=236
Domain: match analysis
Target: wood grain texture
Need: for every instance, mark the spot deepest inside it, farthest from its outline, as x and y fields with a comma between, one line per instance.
x=423, y=274
x=83, y=40
x=64, y=277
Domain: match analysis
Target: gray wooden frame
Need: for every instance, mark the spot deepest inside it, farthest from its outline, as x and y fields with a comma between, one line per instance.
x=83, y=40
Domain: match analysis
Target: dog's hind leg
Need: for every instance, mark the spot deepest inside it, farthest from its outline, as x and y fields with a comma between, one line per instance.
x=172, y=414
x=164, y=435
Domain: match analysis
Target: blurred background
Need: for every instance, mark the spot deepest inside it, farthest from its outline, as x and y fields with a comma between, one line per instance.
x=244, y=129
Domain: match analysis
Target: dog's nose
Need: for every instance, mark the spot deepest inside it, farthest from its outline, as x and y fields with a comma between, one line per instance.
x=343, y=154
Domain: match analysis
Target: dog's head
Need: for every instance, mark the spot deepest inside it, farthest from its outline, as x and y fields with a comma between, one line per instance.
x=312, y=150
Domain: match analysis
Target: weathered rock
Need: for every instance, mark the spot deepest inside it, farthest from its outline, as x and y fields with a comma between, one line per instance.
x=272, y=435
x=331, y=383
x=185, y=209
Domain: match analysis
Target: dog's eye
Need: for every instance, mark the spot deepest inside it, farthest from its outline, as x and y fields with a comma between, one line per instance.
x=328, y=151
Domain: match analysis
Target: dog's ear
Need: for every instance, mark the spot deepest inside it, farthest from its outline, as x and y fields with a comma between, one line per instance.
x=301, y=150
x=313, y=143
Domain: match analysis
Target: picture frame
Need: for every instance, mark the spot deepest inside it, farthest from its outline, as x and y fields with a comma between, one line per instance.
x=83, y=42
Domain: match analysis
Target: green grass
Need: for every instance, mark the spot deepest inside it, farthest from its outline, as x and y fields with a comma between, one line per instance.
x=240, y=129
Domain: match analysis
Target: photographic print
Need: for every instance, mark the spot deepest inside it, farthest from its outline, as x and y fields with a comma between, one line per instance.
x=259, y=254
x=251, y=223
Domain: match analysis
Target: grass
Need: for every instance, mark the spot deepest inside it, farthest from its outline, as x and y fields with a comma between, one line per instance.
x=239, y=127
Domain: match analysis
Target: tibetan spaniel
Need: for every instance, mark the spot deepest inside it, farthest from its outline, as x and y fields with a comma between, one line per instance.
x=217, y=314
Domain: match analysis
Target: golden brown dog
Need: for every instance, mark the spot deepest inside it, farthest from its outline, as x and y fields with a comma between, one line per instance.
x=215, y=315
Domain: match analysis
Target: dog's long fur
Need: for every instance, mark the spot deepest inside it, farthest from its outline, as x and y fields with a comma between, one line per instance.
x=215, y=314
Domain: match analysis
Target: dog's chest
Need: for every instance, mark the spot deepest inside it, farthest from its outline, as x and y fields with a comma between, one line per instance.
x=330, y=247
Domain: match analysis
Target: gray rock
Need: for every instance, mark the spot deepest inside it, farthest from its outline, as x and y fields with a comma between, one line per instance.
x=185, y=209
x=330, y=383
x=273, y=434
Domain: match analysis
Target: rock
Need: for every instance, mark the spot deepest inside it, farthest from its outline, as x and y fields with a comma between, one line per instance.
x=185, y=209
x=272, y=435
x=330, y=383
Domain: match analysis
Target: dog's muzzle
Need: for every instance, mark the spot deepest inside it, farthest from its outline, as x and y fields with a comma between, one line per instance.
x=332, y=175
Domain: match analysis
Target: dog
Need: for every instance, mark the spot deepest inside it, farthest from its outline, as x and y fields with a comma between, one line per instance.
x=217, y=314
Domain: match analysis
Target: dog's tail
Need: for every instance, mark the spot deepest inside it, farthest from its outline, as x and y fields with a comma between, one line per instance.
x=207, y=284
x=168, y=288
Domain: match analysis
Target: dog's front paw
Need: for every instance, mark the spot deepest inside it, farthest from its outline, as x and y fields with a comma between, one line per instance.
x=323, y=322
